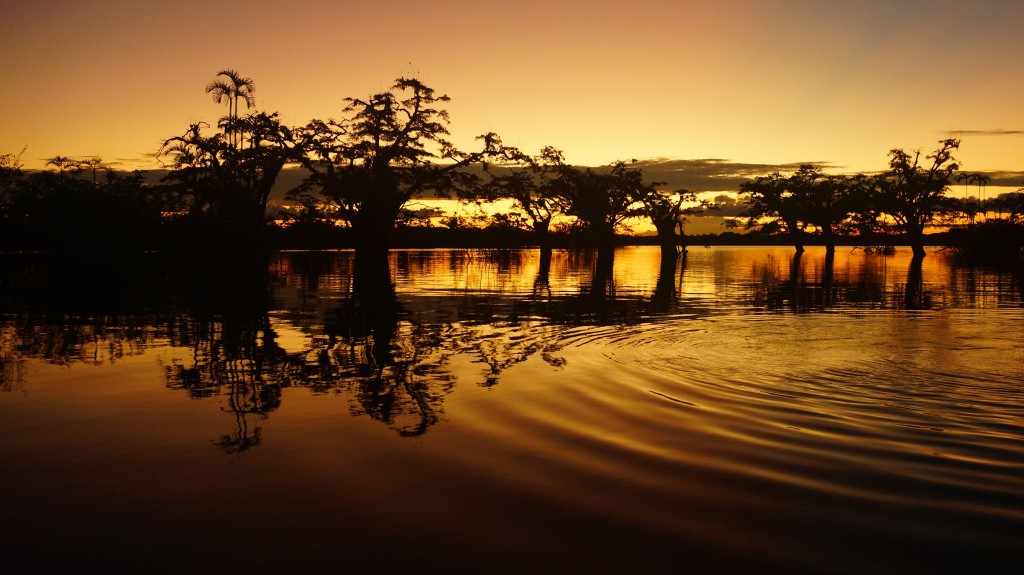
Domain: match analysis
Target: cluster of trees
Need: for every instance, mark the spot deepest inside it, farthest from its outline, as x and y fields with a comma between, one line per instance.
x=597, y=203
x=906, y=199
x=363, y=170
x=62, y=208
x=366, y=167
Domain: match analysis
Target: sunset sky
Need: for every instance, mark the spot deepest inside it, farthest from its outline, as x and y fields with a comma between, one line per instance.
x=748, y=82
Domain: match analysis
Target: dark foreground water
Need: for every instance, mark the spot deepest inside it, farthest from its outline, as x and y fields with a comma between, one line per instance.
x=738, y=412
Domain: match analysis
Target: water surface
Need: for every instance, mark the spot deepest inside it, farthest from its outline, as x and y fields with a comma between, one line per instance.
x=739, y=410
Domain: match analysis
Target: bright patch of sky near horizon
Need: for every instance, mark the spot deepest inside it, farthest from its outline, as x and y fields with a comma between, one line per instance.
x=748, y=81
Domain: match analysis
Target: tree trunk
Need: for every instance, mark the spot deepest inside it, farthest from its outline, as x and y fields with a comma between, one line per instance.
x=373, y=231
x=914, y=295
x=540, y=229
x=915, y=237
x=543, y=270
x=665, y=289
x=829, y=239
x=826, y=277
x=667, y=238
x=601, y=283
x=796, y=236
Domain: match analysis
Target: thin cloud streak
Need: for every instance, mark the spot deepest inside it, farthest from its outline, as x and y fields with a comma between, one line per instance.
x=712, y=174
x=718, y=175
x=998, y=132
x=1003, y=178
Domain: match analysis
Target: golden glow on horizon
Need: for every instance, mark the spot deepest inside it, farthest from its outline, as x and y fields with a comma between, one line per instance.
x=752, y=82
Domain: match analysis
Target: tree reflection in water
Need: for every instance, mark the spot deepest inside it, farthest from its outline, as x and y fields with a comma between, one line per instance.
x=392, y=352
x=235, y=357
x=393, y=370
x=816, y=286
x=363, y=345
x=665, y=291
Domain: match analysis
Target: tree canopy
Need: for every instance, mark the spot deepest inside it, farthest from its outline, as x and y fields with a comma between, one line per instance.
x=384, y=151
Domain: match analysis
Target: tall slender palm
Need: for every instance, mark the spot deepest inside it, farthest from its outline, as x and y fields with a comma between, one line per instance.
x=94, y=163
x=230, y=87
x=982, y=181
x=62, y=163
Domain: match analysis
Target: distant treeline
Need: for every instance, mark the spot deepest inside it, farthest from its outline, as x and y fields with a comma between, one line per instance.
x=366, y=168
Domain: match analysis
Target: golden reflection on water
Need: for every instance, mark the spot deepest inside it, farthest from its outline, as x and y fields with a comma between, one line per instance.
x=742, y=408
x=756, y=278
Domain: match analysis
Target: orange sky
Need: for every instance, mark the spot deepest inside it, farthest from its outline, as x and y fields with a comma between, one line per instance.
x=759, y=82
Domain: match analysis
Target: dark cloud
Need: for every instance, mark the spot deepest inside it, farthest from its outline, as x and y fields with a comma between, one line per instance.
x=712, y=174
x=715, y=175
x=728, y=206
x=999, y=178
x=709, y=175
x=999, y=132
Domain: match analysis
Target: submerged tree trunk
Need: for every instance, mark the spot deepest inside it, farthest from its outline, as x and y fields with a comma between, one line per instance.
x=373, y=229
x=827, y=277
x=667, y=238
x=794, y=269
x=601, y=285
x=914, y=295
x=665, y=289
x=605, y=244
x=541, y=283
x=374, y=301
x=915, y=237
x=541, y=230
x=829, y=238
x=795, y=236
x=602, y=235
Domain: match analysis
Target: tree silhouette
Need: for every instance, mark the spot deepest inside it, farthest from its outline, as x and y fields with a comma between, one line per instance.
x=385, y=151
x=668, y=212
x=982, y=181
x=1013, y=204
x=530, y=182
x=11, y=171
x=48, y=210
x=231, y=88
x=230, y=184
x=602, y=201
x=92, y=164
x=665, y=291
x=915, y=295
x=773, y=205
x=911, y=193
x=62, y=163
x=826, y=202
x=969, y=208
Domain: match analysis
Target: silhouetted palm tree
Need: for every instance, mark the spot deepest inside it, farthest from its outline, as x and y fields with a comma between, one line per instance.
x=62, y=163
x=982, y=181
x=92, y=164
x=230, y=87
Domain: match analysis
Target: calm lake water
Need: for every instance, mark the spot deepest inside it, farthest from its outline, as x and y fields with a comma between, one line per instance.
x=737, y=412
